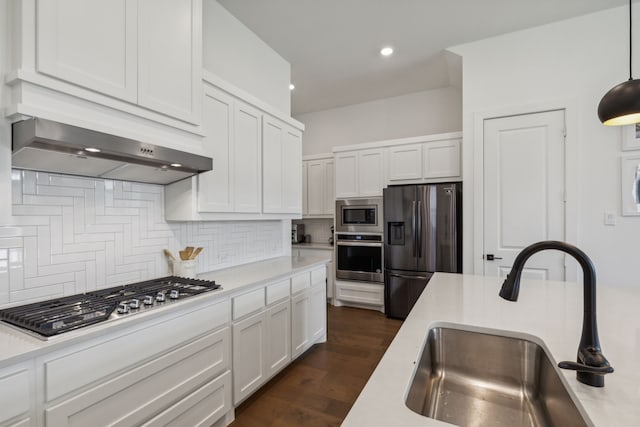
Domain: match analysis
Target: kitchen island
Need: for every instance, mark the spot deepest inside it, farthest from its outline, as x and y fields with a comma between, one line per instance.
x=551, y=312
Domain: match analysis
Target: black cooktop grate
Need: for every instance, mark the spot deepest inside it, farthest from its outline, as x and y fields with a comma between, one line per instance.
x=53, y=317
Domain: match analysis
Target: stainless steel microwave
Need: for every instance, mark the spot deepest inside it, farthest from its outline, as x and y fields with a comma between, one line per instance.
x=359, y=216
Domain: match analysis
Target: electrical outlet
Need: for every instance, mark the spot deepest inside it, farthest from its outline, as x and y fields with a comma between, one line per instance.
x=609, y=218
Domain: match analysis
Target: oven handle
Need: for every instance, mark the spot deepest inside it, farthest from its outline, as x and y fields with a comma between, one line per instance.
x=402, y=276
x=373, y=245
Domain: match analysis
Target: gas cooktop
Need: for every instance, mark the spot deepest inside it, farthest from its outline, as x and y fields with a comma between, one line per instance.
x=46, y=319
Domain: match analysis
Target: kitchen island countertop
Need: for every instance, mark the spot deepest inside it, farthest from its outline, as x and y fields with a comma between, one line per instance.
x=549, y=311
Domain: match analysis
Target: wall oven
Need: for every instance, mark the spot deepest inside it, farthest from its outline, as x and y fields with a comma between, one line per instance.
x=359, y=216
x=359, y=240
x=360, y=257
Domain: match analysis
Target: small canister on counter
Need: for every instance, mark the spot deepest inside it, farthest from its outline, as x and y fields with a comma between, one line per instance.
x=186, y=268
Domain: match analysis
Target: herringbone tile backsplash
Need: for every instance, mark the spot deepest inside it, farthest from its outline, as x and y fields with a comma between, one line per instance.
x=70, y=234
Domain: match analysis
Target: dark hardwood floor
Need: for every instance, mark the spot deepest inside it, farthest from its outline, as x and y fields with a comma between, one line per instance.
x=319, y=388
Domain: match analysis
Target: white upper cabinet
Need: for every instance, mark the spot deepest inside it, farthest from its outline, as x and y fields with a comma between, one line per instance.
x=282, y=175
x=247, y=154
x=215, y=192
x=170, y=57
x=441, y=159
x=145, y=52
x=435, y=159
x=359, y=173
x=319, y=188
x=256, y=170
x=91, y=43
x=346, y=174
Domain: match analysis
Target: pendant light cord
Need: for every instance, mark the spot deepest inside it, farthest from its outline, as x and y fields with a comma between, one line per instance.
x=630, y=43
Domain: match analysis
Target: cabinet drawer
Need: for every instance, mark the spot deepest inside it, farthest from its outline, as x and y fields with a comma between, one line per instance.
x=248, y=303
x=319, y=276
x=362, y=293
x=300, y=282
x=277, y=291
x=14, y=393
x=203, y=407
x=83, y=365
x=145, y=391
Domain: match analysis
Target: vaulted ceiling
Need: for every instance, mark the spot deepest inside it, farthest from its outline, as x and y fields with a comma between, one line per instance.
x=334, y=45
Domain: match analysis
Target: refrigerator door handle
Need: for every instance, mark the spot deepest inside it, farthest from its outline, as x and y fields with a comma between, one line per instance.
x=413, y=225
x=402, y=276
x=419, y=229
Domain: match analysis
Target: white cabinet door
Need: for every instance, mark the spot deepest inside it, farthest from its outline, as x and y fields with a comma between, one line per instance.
x=282, y=177
x=91, y=43
x=305, y=186
x=346, y=174
x=441, y=159
x=278, y=352
x=405, y=162
x=300, y=339
x=329, y=188
x=318, y=312
x=170, y=57
x=272, y=178
x=248, y=356
x=247, y=158
x=370, y=172
x=291, y=174
x=215, y=187
x=315, y=189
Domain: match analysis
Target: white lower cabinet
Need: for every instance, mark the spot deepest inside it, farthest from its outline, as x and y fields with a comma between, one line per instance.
x=367, y=295
x=249, y=341
x=300, y=339
x=149, y=391
x=318, y=311
x=16, y=395
x=278, y=337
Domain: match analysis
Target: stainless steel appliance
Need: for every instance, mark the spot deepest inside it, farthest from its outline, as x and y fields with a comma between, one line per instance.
x=45, y=145
x=359, y=257
x=359, y=215
x=423, y=234
x=49, y=318
x=297, y=233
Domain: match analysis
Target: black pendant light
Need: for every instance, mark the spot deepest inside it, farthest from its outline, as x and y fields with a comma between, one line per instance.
x=621, y=105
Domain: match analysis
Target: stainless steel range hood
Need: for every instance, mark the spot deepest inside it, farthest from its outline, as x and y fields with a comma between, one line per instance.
x=44, y=145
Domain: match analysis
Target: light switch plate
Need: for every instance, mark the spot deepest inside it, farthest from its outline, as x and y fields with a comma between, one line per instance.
x=609, y=218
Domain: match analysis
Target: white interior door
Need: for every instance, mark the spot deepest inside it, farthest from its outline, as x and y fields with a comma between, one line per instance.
x=524, y=192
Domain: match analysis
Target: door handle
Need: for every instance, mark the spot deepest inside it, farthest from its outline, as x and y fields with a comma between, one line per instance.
x=402, y=276
x=491, y=257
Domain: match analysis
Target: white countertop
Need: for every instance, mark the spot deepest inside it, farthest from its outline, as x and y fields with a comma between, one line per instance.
x=16, y=345
x=550, y=311
x=313, y=245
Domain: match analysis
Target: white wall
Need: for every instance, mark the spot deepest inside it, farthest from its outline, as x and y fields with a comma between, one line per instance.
x=419, y=113
x=233, y=52
x=569, y=64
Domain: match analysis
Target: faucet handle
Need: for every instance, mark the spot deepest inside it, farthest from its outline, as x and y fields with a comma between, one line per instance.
x=591, y=366
x=574, y=366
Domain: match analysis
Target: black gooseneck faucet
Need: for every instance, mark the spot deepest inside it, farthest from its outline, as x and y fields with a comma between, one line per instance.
x=591, y=364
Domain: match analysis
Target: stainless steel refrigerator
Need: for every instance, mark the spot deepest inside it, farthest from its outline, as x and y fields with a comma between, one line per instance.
x=423, y=235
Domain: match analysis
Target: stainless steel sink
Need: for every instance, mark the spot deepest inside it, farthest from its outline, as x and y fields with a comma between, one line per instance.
x=482, y=379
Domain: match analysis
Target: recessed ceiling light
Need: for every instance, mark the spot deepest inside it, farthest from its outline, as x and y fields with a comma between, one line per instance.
x=292, y=86
x=92, y=150
x=176, y=165
x=386, y=51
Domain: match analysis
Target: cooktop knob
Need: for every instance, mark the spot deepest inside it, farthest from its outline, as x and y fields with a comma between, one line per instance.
x=160, y=297
x=148, y=300
x=174, y=294
x=123, y=308
x=134, y=303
